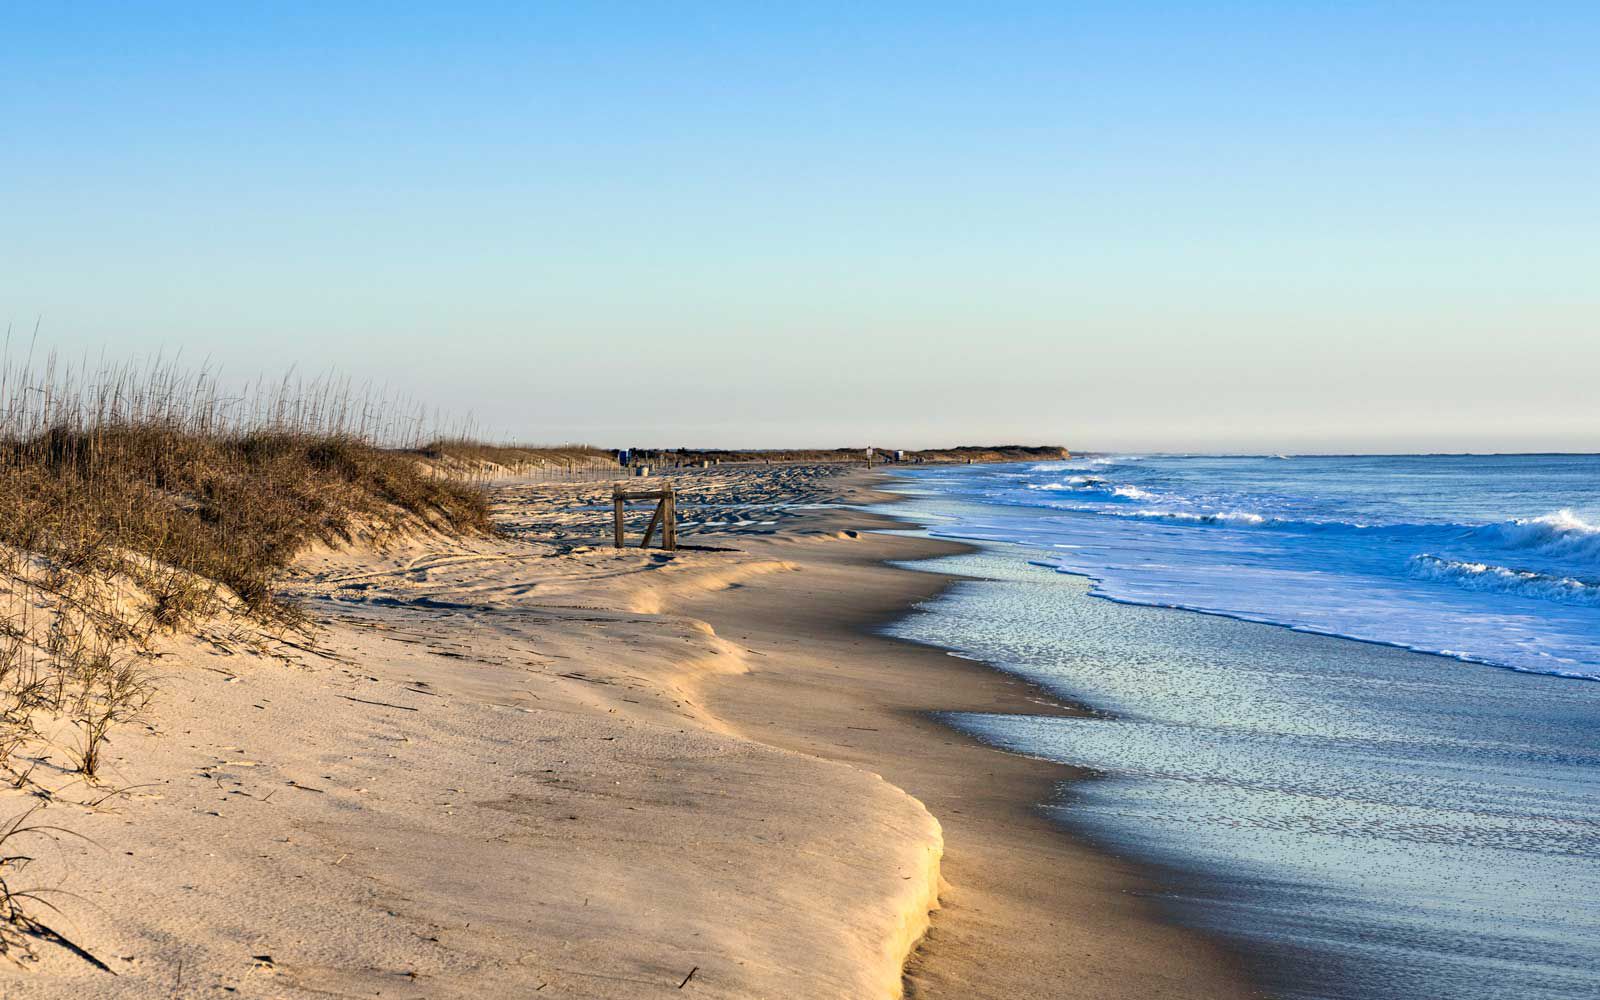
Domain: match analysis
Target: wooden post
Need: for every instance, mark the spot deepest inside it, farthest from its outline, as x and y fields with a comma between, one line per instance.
x=669, y=530
x=655, y=519
x=616, y=512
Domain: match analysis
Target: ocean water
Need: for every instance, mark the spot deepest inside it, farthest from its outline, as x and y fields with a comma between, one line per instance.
x=1412, y=815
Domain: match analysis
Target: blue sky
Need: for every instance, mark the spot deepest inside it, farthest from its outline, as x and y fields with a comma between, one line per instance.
x=1153, y=226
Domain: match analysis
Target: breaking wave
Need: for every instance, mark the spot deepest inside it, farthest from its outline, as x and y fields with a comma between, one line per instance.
x=1234, y=517
x=1070, y=483
x=1485, y=560
x=1133, y=493
x=1504, y=579
x=1562, y=534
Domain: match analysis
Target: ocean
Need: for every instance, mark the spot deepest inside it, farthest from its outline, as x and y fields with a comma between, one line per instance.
x=1345, y=707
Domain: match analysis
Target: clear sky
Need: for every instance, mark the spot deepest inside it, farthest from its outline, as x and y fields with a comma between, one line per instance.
x=1160, y=226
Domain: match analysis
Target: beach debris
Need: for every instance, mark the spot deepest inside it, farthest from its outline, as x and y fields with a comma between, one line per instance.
x=314, y=650
x=51, y=934
x=688, y=977
x=382, y=704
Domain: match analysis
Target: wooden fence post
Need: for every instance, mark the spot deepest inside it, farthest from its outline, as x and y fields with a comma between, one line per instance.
x=665, y=515
x=655, y=519
x=669, y=529
x=616, y=512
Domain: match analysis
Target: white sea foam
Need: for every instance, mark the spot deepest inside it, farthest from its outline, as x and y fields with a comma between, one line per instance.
x=1560, y=534
x=1084, y=464
x=1070, y=483
x=1231, y=517
x=1504, y=579
x=1073, y=465
x=1092, y=484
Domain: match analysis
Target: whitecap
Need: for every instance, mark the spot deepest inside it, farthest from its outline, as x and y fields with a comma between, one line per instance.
x=1133, y=493
x=1505, y=579
x=1562, y=533
x=1229, y=517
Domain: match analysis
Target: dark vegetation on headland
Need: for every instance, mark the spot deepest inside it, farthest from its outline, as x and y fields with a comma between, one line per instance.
x=468, y=457
x=963, y=453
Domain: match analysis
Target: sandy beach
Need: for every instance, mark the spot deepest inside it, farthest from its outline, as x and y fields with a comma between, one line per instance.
x=537, y=765
x=1125, y=482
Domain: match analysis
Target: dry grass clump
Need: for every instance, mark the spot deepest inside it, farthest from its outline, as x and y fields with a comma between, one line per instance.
x=188, y=514
x=157, y=476
x=137, y=501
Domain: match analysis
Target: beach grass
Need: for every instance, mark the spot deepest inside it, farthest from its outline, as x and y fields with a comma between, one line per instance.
x=141, y=500
x=146, y=501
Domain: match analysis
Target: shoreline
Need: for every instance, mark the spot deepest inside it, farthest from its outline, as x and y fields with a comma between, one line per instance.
x=1008, y=870
x=535, y=763
x=1310, y=801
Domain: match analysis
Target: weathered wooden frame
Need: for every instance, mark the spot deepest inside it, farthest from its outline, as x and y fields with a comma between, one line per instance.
x=666, y=515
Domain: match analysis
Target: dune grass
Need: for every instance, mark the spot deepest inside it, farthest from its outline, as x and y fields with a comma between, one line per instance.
x=183, y=511
x=138, y=501
x=156, y=475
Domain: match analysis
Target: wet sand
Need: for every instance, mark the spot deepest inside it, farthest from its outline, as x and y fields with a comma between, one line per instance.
x=1025, y=911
